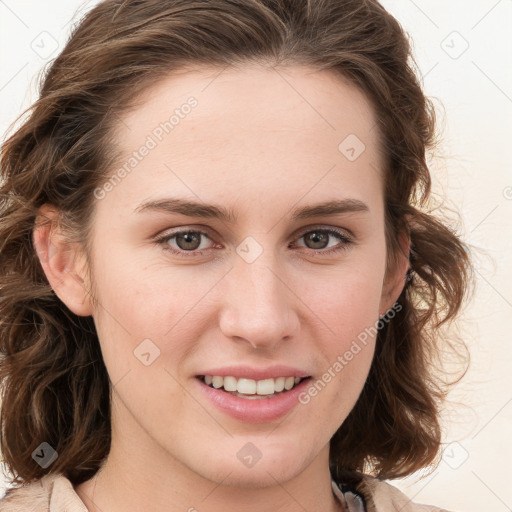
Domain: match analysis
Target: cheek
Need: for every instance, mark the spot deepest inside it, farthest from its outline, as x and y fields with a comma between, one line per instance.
x=143, y=298
x=347, y=306
x=143, y=308
x=349, y=313
x=346, y=300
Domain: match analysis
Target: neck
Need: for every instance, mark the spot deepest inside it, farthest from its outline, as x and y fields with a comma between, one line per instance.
x=119, y=490
x=141, y=474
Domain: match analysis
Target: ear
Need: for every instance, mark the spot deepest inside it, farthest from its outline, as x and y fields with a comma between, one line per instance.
x=62, y=262
x=396, y=275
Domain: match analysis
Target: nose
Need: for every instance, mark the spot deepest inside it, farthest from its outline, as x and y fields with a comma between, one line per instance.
x=258, y=305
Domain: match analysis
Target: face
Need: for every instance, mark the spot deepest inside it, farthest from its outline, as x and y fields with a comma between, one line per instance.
x=271, y=288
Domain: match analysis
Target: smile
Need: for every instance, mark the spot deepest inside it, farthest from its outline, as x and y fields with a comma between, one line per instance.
x=250, y=388
x=269, y=404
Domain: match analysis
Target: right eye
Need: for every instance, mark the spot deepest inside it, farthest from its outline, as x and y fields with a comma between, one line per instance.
x=187, y=241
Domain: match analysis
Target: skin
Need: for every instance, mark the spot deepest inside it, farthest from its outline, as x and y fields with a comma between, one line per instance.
x=261, y=141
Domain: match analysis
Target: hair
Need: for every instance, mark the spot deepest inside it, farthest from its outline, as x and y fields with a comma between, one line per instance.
x=55, y=386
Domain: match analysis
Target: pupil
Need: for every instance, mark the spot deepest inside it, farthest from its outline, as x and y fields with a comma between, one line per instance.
x=316, y=237
x=189, y=238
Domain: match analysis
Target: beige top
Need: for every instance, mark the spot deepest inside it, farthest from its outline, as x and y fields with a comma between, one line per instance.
x=55, y=493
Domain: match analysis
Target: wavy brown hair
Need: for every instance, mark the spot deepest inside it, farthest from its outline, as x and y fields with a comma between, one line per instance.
x=55, y=386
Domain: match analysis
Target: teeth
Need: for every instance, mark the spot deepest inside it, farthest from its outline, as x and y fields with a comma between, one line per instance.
x=251, y=387
x=230, y=383
x=246, y=386
x=288, y=383
x=279, y=384
x=265, y=387
x=217, y=382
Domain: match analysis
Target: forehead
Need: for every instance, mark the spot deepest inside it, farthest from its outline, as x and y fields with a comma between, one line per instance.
x=251, y=125
x=257, y=96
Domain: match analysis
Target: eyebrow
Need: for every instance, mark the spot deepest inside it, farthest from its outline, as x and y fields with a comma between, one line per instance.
x=196, y=209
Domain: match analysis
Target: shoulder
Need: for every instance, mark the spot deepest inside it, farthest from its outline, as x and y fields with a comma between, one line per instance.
x=52, y=492
x=55, y=493
x=384, y=497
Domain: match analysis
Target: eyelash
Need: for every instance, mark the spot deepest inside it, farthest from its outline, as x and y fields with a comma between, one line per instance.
x=346, y=241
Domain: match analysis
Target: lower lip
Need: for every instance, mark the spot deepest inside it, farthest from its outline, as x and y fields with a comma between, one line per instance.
x=258, y=410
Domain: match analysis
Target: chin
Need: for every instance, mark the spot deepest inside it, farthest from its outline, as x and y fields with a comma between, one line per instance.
x=260, y=476
x=266, y=468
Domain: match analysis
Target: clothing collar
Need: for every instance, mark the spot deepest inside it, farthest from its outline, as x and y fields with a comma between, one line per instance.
x=56, y=490
x=353, y=491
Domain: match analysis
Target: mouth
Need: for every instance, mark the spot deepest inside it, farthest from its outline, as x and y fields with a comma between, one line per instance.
x=252, y=389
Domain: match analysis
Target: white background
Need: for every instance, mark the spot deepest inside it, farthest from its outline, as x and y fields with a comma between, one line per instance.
x=464, y=52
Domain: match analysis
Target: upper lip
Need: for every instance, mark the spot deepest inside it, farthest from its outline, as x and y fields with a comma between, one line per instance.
x=250, y=372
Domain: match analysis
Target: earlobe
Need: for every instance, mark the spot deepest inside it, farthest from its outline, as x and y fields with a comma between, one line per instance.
x=396, y=279
x=61, y=261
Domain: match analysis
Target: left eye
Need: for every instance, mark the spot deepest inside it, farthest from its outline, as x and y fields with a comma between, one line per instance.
x=189, y=241
x=320, y=236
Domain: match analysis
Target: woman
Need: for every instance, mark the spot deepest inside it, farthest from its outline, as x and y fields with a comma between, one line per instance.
x=219, y=289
